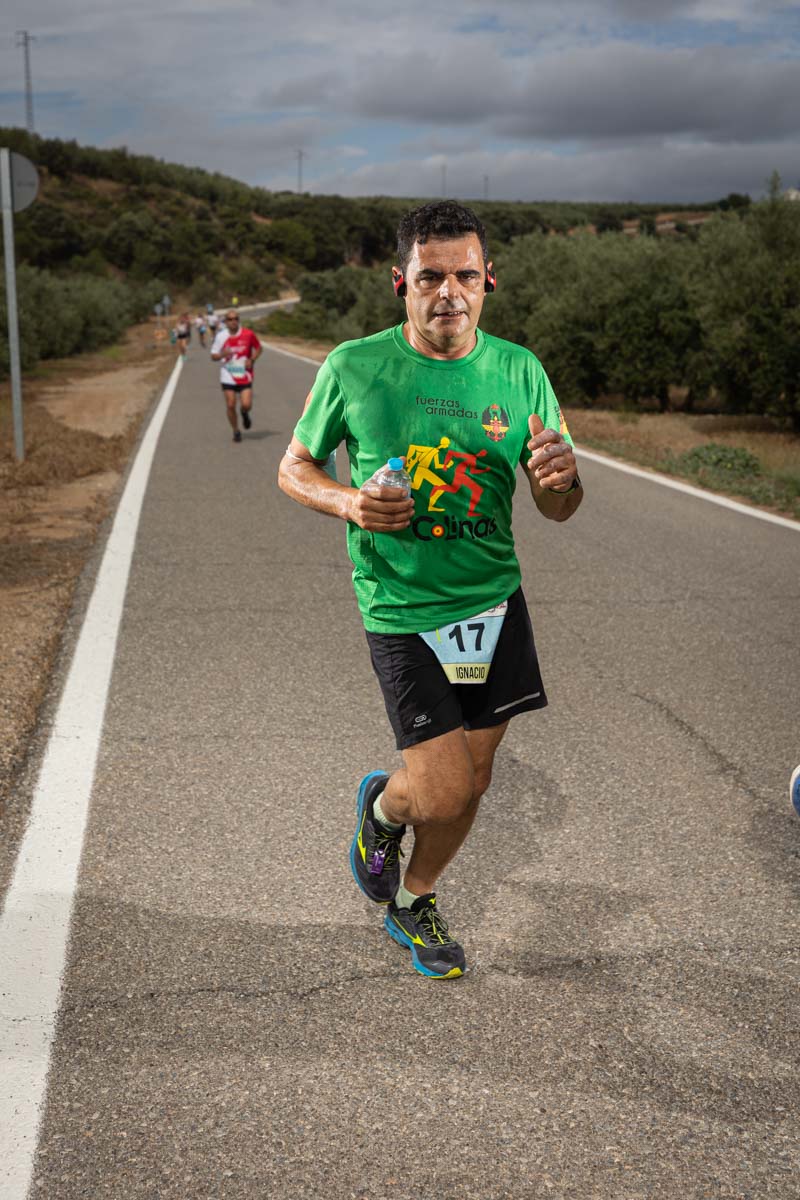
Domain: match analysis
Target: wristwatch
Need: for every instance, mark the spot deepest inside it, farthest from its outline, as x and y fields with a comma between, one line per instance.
x=573, y=487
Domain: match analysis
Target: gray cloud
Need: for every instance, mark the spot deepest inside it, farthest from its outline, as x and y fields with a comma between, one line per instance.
x=527, y=91
x=611, y=90
x=665, y=172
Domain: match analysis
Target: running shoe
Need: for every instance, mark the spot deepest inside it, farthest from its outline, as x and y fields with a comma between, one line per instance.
x=237, y=437
x=375, y=852
x=794, y=789
x=246, y=418
x=423, y=931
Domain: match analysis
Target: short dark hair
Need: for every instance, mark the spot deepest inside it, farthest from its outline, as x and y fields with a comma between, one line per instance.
x=441, y=219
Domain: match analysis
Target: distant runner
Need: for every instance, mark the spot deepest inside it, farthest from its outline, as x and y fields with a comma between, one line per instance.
x=183, y=333
x=237, y=349
x=200, y=325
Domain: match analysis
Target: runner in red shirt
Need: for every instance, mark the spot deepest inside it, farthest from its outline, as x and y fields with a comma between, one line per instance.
x=237, y=349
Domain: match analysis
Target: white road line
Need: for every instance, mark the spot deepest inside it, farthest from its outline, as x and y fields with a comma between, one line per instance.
x=34, y=926
x=300, y=357
x=665, y=481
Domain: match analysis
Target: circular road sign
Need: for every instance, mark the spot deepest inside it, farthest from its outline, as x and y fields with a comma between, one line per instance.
x=24, y=182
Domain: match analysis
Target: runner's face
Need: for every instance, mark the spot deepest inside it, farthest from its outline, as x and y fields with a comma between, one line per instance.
x=444, y=296
x=232, y=322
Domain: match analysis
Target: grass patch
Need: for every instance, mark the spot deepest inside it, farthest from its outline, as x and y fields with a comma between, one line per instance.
x=744, y=457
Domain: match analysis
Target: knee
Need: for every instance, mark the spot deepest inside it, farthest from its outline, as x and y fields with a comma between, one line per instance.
x=481, y=780
x=443, y=801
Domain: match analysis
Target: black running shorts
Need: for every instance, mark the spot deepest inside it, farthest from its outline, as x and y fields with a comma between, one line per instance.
x=422, y=703
x=236, y=387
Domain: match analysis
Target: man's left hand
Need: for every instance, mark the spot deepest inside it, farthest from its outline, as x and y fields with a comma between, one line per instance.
x=552, y=460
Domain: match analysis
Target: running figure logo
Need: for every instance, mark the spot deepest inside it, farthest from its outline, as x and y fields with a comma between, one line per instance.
x=420, y=459
x=495, y=422
x=461, y=478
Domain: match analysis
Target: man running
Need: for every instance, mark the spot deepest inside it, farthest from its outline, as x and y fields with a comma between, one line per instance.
x=183, y=333
x=446, y=621
x=237, y=349
x=200, y=325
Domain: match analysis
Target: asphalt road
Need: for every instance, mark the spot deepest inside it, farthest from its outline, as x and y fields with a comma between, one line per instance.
x=235, y=1022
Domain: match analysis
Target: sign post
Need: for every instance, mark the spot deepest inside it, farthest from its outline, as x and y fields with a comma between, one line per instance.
x=19, y=183
x=160, y=332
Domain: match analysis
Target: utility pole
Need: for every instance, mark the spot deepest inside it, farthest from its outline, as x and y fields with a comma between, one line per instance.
x=486, y=187
x=444, y=180
x=300, y=156
x=24, y=39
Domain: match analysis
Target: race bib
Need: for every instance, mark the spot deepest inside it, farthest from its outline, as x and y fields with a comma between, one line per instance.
x=237, y=368
x=466, y=648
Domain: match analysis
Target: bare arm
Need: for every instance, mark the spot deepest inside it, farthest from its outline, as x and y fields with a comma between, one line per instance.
x=552, y=472
x=303, y=479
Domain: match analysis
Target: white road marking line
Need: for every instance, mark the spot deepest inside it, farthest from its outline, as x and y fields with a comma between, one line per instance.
x=700, y=493
x=300, y=357
x=35, y=923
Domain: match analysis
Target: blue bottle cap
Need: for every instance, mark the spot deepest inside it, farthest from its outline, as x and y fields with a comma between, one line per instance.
x=395, y=464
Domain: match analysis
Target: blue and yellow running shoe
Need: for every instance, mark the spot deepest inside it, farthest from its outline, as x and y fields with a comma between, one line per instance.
x=794, y=790
x=375, y=852
x=423, y=931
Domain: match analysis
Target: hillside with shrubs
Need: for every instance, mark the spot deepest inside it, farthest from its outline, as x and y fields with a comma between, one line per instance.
x=705, y=319
x=111, y=232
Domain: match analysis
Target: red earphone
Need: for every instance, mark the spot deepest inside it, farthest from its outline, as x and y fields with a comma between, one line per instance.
x=399, y=283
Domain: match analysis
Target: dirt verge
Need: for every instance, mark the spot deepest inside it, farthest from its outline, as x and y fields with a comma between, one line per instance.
x=81, y=420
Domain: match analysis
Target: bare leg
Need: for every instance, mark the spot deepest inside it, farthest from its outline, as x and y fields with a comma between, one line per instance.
x=438, y=792
x=246, y=399
x=230, y=404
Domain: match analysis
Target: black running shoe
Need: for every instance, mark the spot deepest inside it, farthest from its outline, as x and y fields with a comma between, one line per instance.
x=246, y=418
x=423, y=931
x=237, y=437
x=375, y=852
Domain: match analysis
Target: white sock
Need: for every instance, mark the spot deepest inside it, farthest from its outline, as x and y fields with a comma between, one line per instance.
x=380, y=815
x=404, y=898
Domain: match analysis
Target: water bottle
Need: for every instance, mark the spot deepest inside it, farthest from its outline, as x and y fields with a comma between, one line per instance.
x=393, y=475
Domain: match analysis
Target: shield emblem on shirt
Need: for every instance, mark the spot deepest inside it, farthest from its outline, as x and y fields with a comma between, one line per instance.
x=495, y=422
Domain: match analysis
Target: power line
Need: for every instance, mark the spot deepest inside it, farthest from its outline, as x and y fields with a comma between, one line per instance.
x=24, y=39
x=300, y=157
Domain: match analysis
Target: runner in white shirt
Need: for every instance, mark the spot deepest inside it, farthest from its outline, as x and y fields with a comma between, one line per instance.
x=236, y=349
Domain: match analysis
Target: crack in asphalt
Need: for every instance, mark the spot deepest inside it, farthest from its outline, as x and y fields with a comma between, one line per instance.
x=725, y=766
x=554, y=965
x=225, y=990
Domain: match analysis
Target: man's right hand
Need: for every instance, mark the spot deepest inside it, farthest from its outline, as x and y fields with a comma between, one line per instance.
x=383, y=510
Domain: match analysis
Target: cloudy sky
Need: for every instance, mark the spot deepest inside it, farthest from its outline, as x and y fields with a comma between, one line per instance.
x=659, y=100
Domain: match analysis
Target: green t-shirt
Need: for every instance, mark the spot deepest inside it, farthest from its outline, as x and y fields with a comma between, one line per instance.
x=462, y=426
